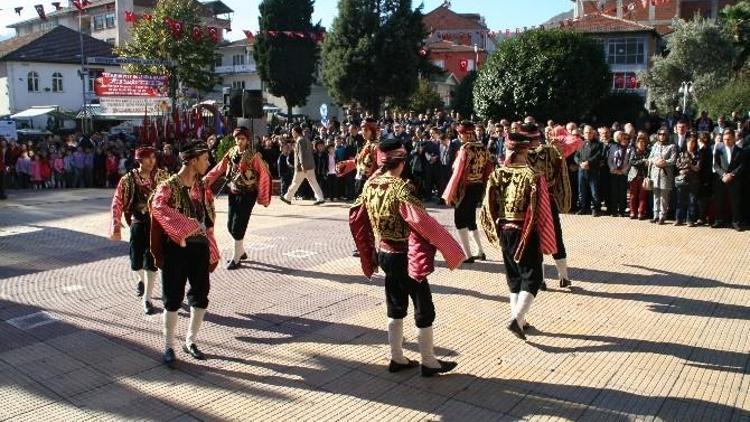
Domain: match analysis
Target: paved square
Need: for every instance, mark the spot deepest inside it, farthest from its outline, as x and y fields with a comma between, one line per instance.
x=656, y=327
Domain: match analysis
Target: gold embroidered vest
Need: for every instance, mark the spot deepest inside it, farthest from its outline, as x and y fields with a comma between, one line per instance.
x=240, y=173
x=550, y=163
x=382, y=196
x=512, y=187
x=366, y=159
x=199, y=208
x=477, y=158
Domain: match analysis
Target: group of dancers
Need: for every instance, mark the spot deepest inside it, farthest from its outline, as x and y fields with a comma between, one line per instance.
x=172, y=219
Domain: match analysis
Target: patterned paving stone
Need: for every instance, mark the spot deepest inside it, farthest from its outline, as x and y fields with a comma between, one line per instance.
x=651, y=330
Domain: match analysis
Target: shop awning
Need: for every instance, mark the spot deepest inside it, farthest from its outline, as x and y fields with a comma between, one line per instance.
x=33, y=112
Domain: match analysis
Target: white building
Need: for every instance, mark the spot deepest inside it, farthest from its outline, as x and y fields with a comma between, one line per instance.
x=43, y=68
x=236, y=66
x=105, y=19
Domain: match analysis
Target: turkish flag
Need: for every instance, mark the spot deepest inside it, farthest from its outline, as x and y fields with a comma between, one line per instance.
x=197, y=33
x=463, y=64
x=40, y=11
x=249, y=35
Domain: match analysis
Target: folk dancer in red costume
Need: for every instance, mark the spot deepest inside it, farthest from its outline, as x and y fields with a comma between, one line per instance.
x=516, y=217
x=131, y=199
x=184, y=247
x=365, y=162
x=549, y=160
x=392, y=230
x=248, y=182
x=466, y=188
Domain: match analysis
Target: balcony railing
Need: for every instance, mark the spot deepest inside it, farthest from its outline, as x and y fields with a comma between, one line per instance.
x=240, y=68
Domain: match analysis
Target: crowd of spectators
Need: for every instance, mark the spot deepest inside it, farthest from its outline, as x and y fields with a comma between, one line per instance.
x=692, y=172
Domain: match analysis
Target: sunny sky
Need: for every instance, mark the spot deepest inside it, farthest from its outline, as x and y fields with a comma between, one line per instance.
x=500, y=14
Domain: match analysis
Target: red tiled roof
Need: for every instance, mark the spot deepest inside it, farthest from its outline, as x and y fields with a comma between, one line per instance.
x=600, y=23
x=444, y=19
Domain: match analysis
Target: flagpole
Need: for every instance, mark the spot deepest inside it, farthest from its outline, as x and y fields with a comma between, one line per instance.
x=83, y=75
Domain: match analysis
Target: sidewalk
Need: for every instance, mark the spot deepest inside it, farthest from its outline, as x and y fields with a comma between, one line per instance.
x=655, y=327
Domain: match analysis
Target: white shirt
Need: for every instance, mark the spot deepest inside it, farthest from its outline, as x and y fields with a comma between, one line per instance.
x=332, y=163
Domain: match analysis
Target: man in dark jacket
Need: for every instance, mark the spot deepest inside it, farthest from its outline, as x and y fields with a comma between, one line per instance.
x=589, y=159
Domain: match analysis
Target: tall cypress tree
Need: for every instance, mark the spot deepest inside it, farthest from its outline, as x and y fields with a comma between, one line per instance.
x=371, y=54
x=287, y=64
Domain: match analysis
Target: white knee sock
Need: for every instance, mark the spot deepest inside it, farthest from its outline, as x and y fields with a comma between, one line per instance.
x=562, y=268
x=149, y=288
x=463, y=235
x=196, y=318
x=424, y=338
x=396, y=340
x=141, y=274
x=170, y=323
x=239, y=249
x=513, y=304
x=478, y=241
x=525, y=299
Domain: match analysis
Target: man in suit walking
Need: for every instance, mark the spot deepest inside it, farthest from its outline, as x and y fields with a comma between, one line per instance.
x=304, y=168
x=729, y=166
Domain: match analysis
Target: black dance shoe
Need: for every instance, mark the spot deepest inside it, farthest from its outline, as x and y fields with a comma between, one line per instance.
x=444, y=367
x=284, y=200
x=243, y=257
x=396, y=367
x=470, y=260
x=543, y=287
x=321, y=202
x=148, y=308
x=139, y=288
x=516, y=329
x=564, y=282
x=169, y=358
x=193, y=351
x=481, y=257
x=231, y=265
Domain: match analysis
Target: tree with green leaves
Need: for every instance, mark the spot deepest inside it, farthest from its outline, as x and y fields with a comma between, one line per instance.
x=736, y=20
x=552, y=74
x=371, y=55
x=423, y=99
x=463, y=96
x=152, y=39
x=699, y=51
x=287, y=64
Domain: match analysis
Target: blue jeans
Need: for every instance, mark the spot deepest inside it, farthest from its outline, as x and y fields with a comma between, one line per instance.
x=588, y=189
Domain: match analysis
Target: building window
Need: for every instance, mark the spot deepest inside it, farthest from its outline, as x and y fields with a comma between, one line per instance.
x=625, y=80
x=238, y=59
x=439, y=63
x=110, y=41
x=33, y=81
x=93, y=74
x=218, y=61
x=57, y=82
x=109, y=20
x=98, y=22
x=238, y=84
x=626, y=51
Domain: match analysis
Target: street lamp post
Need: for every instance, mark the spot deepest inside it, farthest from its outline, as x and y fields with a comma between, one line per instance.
x=476, y=57
x=686, y=89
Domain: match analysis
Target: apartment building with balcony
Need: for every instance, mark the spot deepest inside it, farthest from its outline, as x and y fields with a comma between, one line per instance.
x=105, y=19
